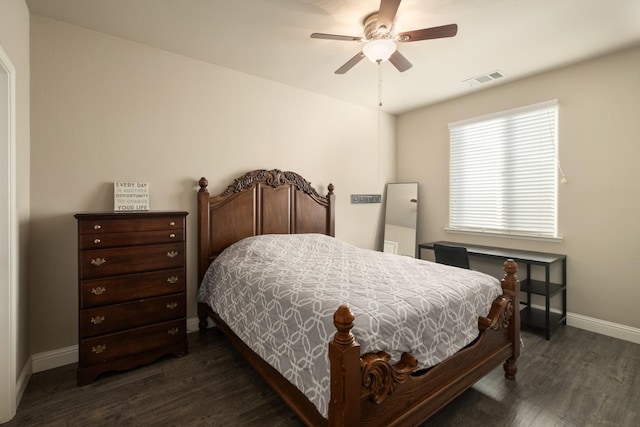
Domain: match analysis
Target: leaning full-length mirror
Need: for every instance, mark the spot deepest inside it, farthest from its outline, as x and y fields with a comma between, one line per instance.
x=401, y=217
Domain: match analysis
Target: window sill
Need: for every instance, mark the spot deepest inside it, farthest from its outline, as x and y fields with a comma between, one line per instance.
x=503, y=235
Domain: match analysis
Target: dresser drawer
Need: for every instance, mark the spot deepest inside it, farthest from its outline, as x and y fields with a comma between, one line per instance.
x=99, y=225
x=130, y=259
x=131, y=287
x=116, y=317
x=113, y=346
x=107, y=240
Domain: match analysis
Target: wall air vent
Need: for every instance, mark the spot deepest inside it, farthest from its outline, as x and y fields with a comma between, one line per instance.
x=484, y=78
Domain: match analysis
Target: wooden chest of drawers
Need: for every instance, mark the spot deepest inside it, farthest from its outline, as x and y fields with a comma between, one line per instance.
x=131, y=294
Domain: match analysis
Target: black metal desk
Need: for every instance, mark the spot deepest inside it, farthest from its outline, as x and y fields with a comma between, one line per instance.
x=545, y=319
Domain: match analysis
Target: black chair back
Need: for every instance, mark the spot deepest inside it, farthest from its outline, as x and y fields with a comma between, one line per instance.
x=451, y=255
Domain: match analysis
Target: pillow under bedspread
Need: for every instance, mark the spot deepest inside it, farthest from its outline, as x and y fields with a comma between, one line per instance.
x=278, y=293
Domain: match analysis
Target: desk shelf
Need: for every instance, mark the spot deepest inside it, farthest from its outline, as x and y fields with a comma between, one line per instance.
x=535, y=318
x=537, y=287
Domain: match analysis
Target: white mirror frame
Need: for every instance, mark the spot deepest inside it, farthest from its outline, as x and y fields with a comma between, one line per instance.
x=401, y=219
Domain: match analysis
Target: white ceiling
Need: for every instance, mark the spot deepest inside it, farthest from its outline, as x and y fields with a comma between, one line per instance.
x=270, y=39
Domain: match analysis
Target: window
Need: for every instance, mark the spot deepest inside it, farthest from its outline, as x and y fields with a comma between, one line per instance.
x=503, y=172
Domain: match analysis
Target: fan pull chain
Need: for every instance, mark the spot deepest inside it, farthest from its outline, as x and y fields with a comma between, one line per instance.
x=379, y=111
x=379, y=84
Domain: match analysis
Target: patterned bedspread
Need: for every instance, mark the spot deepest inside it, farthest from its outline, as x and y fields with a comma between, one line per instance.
x=278, y=293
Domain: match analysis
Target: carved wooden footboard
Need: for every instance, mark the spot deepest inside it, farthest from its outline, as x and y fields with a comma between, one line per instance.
x=368, y=390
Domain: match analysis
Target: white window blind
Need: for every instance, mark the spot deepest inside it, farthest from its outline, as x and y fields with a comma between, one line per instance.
x=503, y=172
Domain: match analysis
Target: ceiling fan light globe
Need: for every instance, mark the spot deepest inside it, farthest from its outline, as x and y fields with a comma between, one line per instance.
x=379, y=50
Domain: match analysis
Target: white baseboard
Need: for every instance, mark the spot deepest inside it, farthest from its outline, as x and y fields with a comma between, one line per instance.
x=65, y=356
x=193, y=325
x=54, y=358
x=603, y=327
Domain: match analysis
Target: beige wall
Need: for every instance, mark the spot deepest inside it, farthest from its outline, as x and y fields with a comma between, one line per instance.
x=599, y=147
x=105, y=109
x=14, y=39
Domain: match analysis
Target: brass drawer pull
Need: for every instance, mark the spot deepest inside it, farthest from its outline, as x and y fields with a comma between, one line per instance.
x=98, y=291
x=172, y=305
x=97, y=320
x=98, y=349
x=97, y=227
x=172, y=279
x=172, y=223
x=96, y=240
x=172, y=254
x=173, y=331
x=172, y=235
x=98, y=261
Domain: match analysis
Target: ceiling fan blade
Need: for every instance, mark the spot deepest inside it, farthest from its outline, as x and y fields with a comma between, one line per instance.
x=335, y=37
x=400, y=61
x=429, y=33
x=350, y=63
x=387, y=12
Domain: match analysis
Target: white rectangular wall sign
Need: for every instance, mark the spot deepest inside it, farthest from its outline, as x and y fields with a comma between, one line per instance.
x=130, y=196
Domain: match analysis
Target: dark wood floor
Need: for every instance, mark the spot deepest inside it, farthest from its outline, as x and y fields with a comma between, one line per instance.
x=576, y=379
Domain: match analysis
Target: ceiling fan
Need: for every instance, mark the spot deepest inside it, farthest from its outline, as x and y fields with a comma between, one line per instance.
x=381, y=42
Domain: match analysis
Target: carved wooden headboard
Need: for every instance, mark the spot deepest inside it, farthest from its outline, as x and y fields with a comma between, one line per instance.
x=260, y=202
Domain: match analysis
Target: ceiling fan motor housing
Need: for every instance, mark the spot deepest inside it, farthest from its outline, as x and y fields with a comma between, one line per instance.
x=371, y=29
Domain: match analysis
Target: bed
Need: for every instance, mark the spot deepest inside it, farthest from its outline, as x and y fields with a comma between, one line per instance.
x=364, y=385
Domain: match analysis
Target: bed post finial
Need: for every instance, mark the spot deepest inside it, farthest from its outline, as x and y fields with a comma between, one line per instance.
x=510, y=267
x=203, y=184
x=343, y=321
